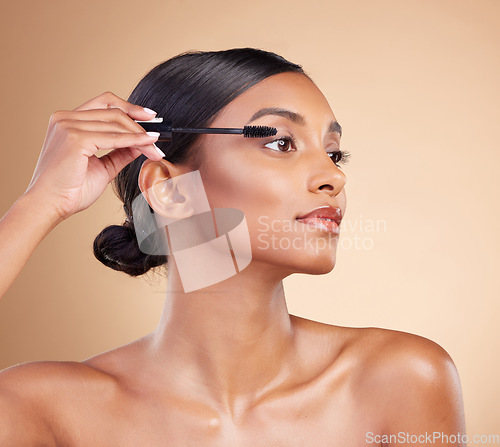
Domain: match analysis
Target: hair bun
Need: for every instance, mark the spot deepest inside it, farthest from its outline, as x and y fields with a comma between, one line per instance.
x=116, y=247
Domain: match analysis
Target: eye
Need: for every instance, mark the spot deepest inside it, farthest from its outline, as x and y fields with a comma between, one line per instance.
x=339, y=157
x=282, y=144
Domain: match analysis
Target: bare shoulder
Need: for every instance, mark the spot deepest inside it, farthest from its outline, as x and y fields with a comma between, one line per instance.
x=371, y=346
x=39, y=375
x=37, y=381
x=381, y=356
x=39, y=395
x=391, y=354
x=383, y=347
x=410, y=379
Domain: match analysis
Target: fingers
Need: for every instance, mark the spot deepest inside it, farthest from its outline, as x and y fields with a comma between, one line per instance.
x=105, y=134
x=115, y=161
x=96, y=140
x=117, y=115
x=109, y=100
x=102, y=115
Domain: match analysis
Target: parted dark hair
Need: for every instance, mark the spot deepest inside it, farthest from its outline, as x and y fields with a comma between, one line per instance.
x=190, y=89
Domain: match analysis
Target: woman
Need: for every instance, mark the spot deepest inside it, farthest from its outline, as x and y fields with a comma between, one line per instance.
x=227, y=364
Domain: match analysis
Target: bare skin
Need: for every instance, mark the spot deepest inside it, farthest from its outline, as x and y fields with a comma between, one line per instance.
x=227, y=364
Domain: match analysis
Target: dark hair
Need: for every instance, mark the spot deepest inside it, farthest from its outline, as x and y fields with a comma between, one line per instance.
x=191, y=87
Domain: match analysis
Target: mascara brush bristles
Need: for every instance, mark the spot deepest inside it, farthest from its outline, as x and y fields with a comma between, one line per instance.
x=166, y=130
x=259, y=131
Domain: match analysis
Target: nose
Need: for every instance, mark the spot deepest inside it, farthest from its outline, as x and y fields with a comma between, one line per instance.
x=325, y=176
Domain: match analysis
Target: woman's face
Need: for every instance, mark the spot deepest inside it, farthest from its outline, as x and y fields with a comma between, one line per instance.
x=274, y=182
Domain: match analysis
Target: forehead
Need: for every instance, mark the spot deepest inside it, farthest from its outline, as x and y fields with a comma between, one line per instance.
x=292, y=91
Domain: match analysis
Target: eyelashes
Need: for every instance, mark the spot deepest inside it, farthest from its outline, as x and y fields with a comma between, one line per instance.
x=337, y=157
x=340, y=157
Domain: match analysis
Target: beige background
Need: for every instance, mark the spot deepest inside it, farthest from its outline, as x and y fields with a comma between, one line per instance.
x=415, y=85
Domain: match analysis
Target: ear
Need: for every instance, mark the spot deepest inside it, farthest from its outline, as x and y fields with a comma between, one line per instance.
x=163, y=193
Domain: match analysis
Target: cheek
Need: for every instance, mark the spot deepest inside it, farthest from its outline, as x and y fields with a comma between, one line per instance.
x=250, y=186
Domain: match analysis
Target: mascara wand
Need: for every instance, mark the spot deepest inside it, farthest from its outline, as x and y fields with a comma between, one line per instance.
x=166, y=129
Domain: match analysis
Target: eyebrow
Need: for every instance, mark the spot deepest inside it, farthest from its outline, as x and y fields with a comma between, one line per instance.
x=292, y=116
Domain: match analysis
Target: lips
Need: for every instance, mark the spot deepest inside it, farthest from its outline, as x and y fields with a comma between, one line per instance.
x=327, y=213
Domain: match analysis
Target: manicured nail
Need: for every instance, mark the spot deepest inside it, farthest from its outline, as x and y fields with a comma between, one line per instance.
x=151, y=112
x=159, y=151
x=153, y=134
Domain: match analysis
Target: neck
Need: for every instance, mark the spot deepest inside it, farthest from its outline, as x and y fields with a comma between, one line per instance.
x=231, y=342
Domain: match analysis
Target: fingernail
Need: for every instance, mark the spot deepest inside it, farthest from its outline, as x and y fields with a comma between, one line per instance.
x=151, y=112
x=153, y=134
x=159, y=151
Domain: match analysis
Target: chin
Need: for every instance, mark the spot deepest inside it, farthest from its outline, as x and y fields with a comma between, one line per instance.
x=320, y=267
x=314, y=258
x=319, y=264
x=315, y=262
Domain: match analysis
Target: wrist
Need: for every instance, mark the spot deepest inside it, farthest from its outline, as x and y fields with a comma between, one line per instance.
x=40, y=208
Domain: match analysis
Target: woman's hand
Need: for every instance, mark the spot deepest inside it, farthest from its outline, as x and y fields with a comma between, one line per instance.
x=68, y=175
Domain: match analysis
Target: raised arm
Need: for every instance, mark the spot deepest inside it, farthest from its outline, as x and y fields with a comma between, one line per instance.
x=69, y=177
x=22, y=228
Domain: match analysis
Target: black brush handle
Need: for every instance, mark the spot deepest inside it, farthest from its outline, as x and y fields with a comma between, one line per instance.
x=211, y=130
x=164, y=128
